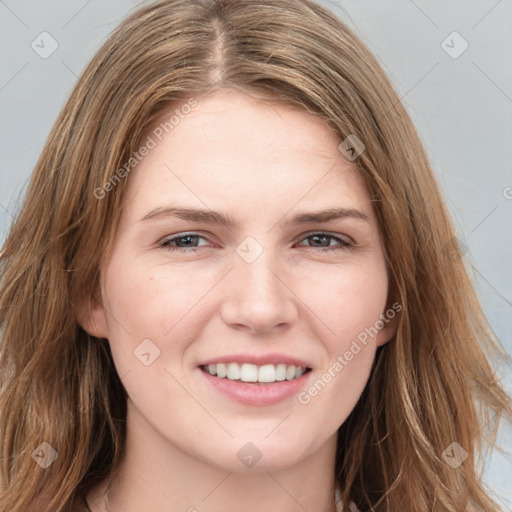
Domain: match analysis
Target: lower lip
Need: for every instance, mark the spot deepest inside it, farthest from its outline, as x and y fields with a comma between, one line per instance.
x=254, y=393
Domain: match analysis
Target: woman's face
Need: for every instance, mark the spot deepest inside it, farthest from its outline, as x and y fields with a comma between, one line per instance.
x=273, y=290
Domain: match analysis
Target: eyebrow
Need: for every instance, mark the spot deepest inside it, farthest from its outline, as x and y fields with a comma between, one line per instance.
x=212, y=217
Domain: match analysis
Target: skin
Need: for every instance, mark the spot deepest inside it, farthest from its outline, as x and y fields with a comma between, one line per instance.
x=261, y=163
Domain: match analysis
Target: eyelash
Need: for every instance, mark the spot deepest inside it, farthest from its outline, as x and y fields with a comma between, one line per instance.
x=344, y=243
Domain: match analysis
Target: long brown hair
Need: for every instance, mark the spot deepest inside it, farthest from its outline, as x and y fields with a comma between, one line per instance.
x=431, y=385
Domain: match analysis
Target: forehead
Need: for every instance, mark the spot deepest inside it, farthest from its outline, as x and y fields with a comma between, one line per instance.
x=234, y=116
x=234, y=148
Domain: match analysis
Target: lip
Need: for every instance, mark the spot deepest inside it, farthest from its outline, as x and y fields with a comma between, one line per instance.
x=259, y=360
x=256, y=394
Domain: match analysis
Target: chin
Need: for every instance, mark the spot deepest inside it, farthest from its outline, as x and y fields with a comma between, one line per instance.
x=256, y=454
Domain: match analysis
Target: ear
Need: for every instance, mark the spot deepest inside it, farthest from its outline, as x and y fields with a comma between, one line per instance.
x=91, y=316
x=390, y=320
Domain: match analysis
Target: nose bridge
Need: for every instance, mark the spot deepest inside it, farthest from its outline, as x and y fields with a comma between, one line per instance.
x=256, y=295
x=256, y=270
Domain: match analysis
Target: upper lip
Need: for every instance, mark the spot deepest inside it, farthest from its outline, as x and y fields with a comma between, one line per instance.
x=259, y=360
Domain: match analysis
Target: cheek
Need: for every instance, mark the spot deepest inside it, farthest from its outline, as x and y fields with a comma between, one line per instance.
x=352, y=309
x=164, y=303
x=152, y=301
x=352, y=302
x=149, y=311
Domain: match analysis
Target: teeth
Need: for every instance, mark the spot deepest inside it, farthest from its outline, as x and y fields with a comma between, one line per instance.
x=252, y=373
x=248, y=372
x=233, y=371
x=267, y=373
x=290, y=372
x=281, y=372
x=222, y=371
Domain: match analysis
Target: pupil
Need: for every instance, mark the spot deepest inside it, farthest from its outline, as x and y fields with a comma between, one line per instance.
x=187, y=238
x=320, y=237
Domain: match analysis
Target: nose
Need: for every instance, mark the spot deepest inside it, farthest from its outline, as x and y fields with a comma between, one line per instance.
x=258, y=298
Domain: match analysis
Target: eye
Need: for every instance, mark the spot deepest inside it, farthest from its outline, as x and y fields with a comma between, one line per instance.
x=188, y=242
x=327, y=238
x=184, y=242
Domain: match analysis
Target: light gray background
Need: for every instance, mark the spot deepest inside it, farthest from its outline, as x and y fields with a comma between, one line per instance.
x=461, y=106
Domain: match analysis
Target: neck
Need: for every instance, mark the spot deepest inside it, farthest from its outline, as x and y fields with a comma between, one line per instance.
x=156, y=475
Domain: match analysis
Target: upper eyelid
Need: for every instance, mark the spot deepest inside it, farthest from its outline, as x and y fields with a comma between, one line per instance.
x=345, y=238
x=299, y=238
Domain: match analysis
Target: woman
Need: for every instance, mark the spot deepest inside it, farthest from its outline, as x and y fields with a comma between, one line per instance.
x=229, y=284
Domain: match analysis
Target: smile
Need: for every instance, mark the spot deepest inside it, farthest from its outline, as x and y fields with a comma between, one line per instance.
x=247, y=372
